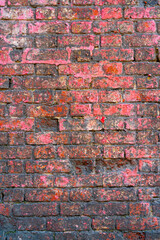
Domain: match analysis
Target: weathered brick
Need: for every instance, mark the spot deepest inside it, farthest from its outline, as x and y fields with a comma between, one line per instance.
x=79, y=151
x=48, y=28
x=142, y=68
x=125, y=55
x=44, y=152
x=111, y=41
x=103, y=223
x=111, y=13
x=43, y=3
x=69, y=224
x=78, y=13
x=47, y=13
x=77, y=40
x=139, y=12
x=145, y=54
x=84, y=195
x=124, y=194
x=136, y=223
x=17, y=14
x=30, y=224
x=47, y=111
x=79, y=119
x=146, y=26
x=81, y=27
x=17, y=124
x=35, y=209
x=113, y=82
x=46, y=195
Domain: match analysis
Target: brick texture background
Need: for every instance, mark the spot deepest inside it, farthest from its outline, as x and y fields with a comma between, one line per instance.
x=79, y=119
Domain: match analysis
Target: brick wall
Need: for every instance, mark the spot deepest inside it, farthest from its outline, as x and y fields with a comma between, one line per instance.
x=79, y=119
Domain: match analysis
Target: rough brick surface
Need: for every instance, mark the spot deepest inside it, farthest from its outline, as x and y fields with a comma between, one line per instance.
x=79, y=120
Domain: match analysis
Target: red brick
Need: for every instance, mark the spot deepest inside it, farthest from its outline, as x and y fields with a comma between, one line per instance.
x=136, y=236
x=111, y=41
x=79, y=119
x=46, y=69
x=47, y=111
x=89, y=69
x=82, y=2
x=141, y=40
x=44, y=152
x=17, y=180
x=17, y=14
x=148, y=165
x=140, y=209
x=145, y=54
x=79, y=124
x=80, y=109
x=16, y=138
x=13, y=195
x=112, y=26
x=17, y=69
x=46, y=195
x=48, y=27
x=47, y=13
x=45, y=166
x=136, y=223
x=79, y=181
x=71, y=209
x=18, y=3
x=113, y=55
x=3, y=138
x=147, y=82
x=5, y=209
x=43, y=3
x=146, y=26
x=111, y=13
x=83, y=195
x=4, y=82
x=102, y=209
x=124, y=194
x=115, y=2
x=16, y=152
x=30, y=224
x=103, y=223
x=139, y=12
x=142, y=152
x=142, y=68
x=113, y=82
x=77, y=40
x=17, y=124
x=35, y=209
x=43, y=181
x=45, y=82
x=147, y=137
x=81, y=27
x=115, y=137
x=118, y=109
x=79, y=152
x=81, y=138
x=15, y=166
x=142, y=96
x=78, y=13
x=16, y=110
x=113, y=152
x=68, y=224
x=148, y=194
x=109, y=96
x=45, y=41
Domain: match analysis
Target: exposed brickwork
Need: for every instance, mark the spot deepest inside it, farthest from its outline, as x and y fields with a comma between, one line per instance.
x=79, y=119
